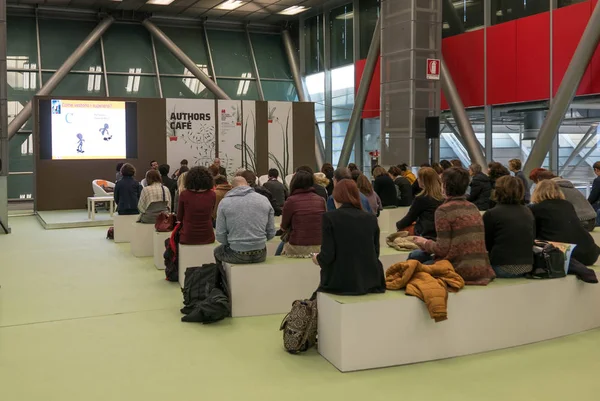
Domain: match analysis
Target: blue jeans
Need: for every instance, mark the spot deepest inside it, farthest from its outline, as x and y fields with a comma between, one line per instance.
x=223, y=253
x=279, y=249
x=421, y=256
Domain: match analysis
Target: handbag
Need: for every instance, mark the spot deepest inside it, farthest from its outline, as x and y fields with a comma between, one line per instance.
x=548, y=261
x=165, y=222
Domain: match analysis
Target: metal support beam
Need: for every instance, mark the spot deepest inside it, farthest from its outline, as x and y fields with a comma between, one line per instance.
x=106, y=90
x=489, y=134
x=261, y=94
x=156, y=69
x=361, y=95
x=588, y=154
x=589, y=135
x=185, y=60
x=62, y=72
x=293, y=62
x=210, y=58
x=460, y=117
x=3, y=123
x=566, y=91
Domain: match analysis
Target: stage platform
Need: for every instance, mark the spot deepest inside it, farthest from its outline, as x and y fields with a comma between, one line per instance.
x=52, y=220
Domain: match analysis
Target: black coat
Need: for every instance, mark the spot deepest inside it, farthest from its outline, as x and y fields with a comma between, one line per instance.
x=385, y=188
x=267, y=194
x=481, y=190
x=321, y=191
x=509, y=235
x=172, y=185
x=127, y=195
x=349, y=257
x=405, y=191
x=422, y=211
x=556, y=220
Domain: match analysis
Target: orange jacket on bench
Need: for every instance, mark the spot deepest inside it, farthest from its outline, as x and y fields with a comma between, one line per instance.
x=430, y=283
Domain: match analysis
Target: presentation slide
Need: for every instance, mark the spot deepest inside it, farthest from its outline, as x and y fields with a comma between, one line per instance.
x=88, y=129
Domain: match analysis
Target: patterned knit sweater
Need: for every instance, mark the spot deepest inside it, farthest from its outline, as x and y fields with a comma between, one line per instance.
x=461, y=240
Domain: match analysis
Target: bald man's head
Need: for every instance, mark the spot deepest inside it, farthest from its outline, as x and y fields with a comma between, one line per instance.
x=239, y=182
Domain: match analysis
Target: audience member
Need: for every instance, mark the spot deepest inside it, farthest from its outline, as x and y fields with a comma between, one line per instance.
x=585, y=211
x=594, y=198
x=365, y=187
x=481, y=188
x=222, y=171
x=422, y=210
x=355, y=174
x=385, y=188
x=456, y=163
x=183, y=163
x=495, y=171
x=222, y=186
x=445, y=164
x=407, y=173
x=460, y=233
x=127, y=191
x=327, y=169
x=301, y=218
x=153, y=166
x=196, y=205
x=154, y=199
x=214, y=170
x=119, y=175
x=244, y=225
x=437, y=167
x=404, y=191
x=163, y=169
x=349, y=257
x=180, y=188
x=250, y=178
x=509, y=230
x=556, y=220
x=321, y=183
x=514, y=166
x=339, y=175
x=276, y=188
x=352, y=167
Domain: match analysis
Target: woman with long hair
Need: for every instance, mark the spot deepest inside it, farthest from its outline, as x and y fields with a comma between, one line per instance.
x=195, y=208
x=349, y=256
x=422, y=210
x=365, y=187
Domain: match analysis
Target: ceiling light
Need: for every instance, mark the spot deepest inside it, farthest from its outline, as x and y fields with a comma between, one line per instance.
x=230, y=5
x=160, y=2
x=293, y=10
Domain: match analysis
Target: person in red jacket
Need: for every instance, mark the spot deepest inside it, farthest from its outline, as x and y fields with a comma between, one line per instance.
x=302, y=218
x=195, y=208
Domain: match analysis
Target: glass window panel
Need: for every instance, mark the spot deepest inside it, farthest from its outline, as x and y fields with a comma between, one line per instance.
x=270, y=56
x=579, y=169
x=565, y=3
x=189, y=88
x=338, y=133
x=244, y=89
x=191, y=41
x=21, y=43
x=461, y=16
x=22, y=86
x=342, y=92
x=20, y=150
x=230, y=53
x=313, y=44
x=342, y=43
x=132, y=86
x=315, y=85
x=508, y=10
x=369, y=12
x=58, y=40
x=279, y=90
x=79, y=85
x=127, y=48
x=20, y=186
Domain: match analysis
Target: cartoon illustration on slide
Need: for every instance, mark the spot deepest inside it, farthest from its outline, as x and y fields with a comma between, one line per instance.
x=105, y=134
x=80, y=143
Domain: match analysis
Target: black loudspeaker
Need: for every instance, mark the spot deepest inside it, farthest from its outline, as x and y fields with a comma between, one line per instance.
x=432, y=127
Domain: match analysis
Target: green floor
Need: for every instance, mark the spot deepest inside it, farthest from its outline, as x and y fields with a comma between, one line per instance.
x=81, y=319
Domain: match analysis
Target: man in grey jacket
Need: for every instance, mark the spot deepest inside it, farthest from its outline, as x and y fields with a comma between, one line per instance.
x=245, y=222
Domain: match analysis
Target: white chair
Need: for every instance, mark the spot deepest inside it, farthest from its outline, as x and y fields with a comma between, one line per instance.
x=98, y=187
x=288, y=179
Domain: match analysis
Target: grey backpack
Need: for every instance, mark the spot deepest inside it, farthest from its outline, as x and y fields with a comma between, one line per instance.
x=300, y=326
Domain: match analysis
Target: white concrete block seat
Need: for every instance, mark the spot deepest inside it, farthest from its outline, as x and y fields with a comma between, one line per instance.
x=388, y=217
x=390, y=329
x=142, y=243
x=270, y=287
x=389, y=256
x=124, y=228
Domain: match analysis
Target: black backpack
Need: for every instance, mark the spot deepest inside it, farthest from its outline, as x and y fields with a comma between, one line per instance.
x=548, y=261
x=205, y=294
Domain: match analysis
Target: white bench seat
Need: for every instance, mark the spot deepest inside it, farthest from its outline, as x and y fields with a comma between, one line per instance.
x=124, y=228
x=388, y=217
x=390, y=329
x=142, y=244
